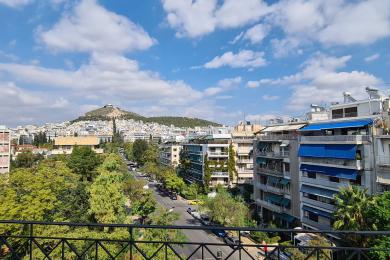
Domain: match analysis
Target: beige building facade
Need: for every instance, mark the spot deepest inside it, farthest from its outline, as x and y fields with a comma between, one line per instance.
x=5, y=150
x=64, y=145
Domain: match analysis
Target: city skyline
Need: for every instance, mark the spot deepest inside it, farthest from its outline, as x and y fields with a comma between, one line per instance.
x=216, y=60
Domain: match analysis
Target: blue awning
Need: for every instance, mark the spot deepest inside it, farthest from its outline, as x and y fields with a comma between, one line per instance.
x=272, y=179
x=337, y=125
x=284, y=181
x=343, y=173
x=317, y=211
x=318, y=191
x=286, y=217
x=273, y=198
x=285, y=202
x=338, y=151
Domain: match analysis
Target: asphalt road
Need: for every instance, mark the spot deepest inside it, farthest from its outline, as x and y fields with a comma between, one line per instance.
x=199, y=236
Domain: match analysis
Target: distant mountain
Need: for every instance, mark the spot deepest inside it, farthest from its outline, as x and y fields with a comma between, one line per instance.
x=108, y=112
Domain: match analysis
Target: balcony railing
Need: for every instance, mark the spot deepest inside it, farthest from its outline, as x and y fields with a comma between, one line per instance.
x=44, y=240
x=273, y=137
x=383, y=160
x=273, y=154
x=355, y=164
x=336, y=138
x=218, y=154
x=219, y=174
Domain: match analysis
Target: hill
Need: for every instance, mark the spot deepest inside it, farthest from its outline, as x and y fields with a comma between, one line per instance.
x=108, y=112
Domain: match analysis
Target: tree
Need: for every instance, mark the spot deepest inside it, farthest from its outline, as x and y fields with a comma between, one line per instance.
x=84, y=161
x=139, y=149
x=107, y=199
x=207, y=173
x=226, y=210
x=128, y=149
x=232, y=164
x=145, y=205
x=350, y=212
x=27, y=159
x=151, y=153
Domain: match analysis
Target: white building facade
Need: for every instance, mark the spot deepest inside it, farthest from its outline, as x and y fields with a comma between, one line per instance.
x=5, y=150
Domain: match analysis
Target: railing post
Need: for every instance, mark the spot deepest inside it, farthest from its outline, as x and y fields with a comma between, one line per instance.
x=239, y=245
x=31, y=240
x=62, y=249
x=166, y=251
x=131, y=242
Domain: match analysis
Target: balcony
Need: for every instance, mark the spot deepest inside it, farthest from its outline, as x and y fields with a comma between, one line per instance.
x=274, y=155
x=244, y=161
x=269, y=188
x=243, y=141
x=338, y=163
x=218, y=154
x=345, y=139
x=220, y=174
x=273, y=207
x=317, y=204
x=316, y=225
x=273, y=137
x=323, y=182
x=383, y=161
x=266, y=170
x=29, y=239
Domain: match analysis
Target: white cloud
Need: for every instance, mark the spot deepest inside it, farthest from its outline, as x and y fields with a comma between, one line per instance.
x=320, y=81
x=222, y=86
x=243, y=59
x=106, y=76
x=92, y=28
x=16, y=3
x=258, y=83
x=270, y=97
x=257, y=33
x=200, y=17
x=372, y=57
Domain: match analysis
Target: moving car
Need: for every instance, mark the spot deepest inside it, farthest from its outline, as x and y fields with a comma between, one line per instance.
x=190, y=210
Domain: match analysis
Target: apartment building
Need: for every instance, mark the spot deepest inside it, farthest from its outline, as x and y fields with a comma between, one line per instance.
x=169, y=154
x=64, y=145
x=5, y=149
x=276, y=178
x=214, y=148
x=243, y=137
x=336, y=153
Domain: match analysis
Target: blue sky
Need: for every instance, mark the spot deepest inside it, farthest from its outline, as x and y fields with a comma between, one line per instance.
x=213, y=59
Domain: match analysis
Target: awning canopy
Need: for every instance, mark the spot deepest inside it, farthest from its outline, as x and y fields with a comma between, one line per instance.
x=285, y=202
x=273, y=198
x=286, y=217
x=318, y=191
x=338, y=151
x=343, y=173
x=317, y=211
x=261, y=160
x=280, y=128
x=337, y=125
x=284, y=181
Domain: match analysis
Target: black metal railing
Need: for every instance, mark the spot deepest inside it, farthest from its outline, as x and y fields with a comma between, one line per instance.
x=44, y=240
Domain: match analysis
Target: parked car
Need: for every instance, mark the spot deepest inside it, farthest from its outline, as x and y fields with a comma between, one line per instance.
x=190, y=210
x=219, y=232
x=173, y=196
x=232, y=241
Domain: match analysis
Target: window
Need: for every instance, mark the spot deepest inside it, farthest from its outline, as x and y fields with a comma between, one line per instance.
x=337, y=113
x=358, y=180
x=350, y=112
x=312, y=175
x=334, y=179
x=287, y=167
x=311, y=216
x=174, y=149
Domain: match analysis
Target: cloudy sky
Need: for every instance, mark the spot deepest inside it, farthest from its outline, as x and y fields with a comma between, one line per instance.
x=213, y=59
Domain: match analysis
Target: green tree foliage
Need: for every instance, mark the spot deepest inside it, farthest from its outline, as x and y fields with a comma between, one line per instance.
x=226, y=210
x=84, y=162
x=107, y=200
x=113, y=163
x=207, y=173
x=231, y=165
x=352, y=203
x=40, y=139
x=139, y=150
x=128, y=150
x=151, y=153
x=192, y=191
x=27, y=159
x=145, y=205
x=36, y=193
x=316, y=241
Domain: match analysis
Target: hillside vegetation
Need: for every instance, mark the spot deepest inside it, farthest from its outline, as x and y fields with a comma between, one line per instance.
x=109, y=112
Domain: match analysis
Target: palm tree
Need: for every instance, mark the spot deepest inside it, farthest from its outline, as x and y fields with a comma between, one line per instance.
x=352, y=203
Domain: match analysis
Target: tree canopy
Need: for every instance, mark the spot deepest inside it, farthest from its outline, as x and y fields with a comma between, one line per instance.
x=84, y=162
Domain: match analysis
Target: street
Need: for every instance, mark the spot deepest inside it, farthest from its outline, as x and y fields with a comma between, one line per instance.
x=200, y=236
